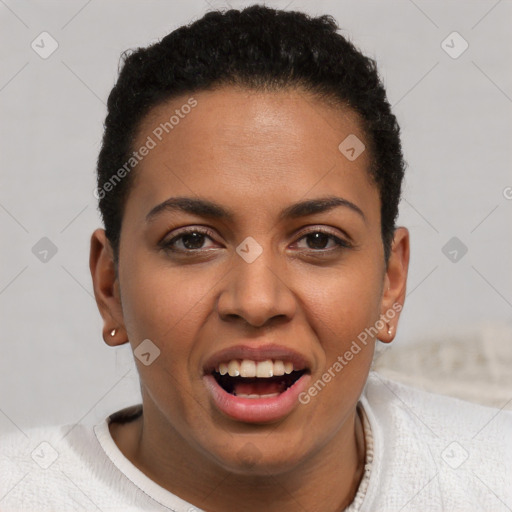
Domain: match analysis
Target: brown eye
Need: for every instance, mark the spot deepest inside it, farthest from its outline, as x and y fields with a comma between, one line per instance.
x=193, y=240
x=190, y=240
x=319, y=240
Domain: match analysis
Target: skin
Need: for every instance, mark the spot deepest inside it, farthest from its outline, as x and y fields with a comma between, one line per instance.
x=254, y=153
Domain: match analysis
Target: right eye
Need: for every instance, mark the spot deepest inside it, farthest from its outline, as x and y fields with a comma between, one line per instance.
x=191, y=239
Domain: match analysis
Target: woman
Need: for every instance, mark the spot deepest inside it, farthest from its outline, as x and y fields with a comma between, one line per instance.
x=249, y=183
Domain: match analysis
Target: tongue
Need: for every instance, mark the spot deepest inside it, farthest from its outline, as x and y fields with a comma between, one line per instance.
x=259, y=387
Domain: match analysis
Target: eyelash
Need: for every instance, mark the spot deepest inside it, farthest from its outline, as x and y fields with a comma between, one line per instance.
x=168, y=245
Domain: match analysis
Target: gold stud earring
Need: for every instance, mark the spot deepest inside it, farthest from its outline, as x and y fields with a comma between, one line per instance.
x=113, y=332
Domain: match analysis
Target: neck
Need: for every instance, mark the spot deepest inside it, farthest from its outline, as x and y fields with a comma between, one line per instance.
x=326, y=482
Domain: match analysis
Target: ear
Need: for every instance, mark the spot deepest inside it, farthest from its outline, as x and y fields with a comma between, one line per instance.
x=106, y=289
x=395, y=280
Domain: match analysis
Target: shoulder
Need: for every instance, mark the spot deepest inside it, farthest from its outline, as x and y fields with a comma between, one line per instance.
x=38, y=466
x=455, y=451
x=446, y=412
x=46, y=468
x=33, y=447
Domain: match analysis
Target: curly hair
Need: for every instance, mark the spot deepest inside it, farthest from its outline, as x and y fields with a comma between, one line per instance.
x=259, y=48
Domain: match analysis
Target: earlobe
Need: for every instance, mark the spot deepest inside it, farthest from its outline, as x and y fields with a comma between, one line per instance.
x=395, y=282
x=114, y=337
x=106, y=289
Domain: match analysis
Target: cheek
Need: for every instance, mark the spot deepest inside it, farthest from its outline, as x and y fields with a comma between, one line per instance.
x=343, y=304
x=158, y=299
x=163, y=303
x=167, y=306
x=341, y=309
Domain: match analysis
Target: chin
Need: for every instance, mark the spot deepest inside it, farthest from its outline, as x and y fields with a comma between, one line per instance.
x=257, y=455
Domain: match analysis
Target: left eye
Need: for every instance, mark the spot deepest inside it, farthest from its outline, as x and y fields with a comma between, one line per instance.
x=318, y=240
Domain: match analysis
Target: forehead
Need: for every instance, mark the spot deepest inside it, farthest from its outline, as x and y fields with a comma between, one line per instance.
x=246, y=144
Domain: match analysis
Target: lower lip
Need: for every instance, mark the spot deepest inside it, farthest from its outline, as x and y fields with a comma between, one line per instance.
x=256, y=410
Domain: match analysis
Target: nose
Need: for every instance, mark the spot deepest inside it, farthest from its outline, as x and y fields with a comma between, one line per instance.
x=257, y=293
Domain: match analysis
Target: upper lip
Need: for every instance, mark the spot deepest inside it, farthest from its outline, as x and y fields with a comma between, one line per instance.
x=256, y=353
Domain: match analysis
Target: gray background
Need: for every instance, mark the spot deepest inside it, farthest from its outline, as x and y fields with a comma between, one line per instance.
x=455, y=115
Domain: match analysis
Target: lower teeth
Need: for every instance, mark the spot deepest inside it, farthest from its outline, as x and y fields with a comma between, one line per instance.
x=243, y=395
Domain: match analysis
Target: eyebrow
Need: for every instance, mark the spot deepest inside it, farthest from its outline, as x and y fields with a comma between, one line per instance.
x=210, y=209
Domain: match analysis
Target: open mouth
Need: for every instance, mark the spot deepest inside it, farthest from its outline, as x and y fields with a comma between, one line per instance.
x=251, y=379
x=255, y=390
x=254, y=387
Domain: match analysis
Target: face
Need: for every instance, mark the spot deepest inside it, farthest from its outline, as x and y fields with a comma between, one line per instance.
x=274, y=264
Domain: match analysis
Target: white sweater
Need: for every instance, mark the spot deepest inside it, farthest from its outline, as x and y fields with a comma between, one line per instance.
x=430, y=453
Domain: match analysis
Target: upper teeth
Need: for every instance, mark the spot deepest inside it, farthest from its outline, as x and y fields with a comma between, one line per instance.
x=249, y=368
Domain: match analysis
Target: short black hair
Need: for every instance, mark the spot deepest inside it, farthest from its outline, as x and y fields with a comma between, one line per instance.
x=258, y=48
